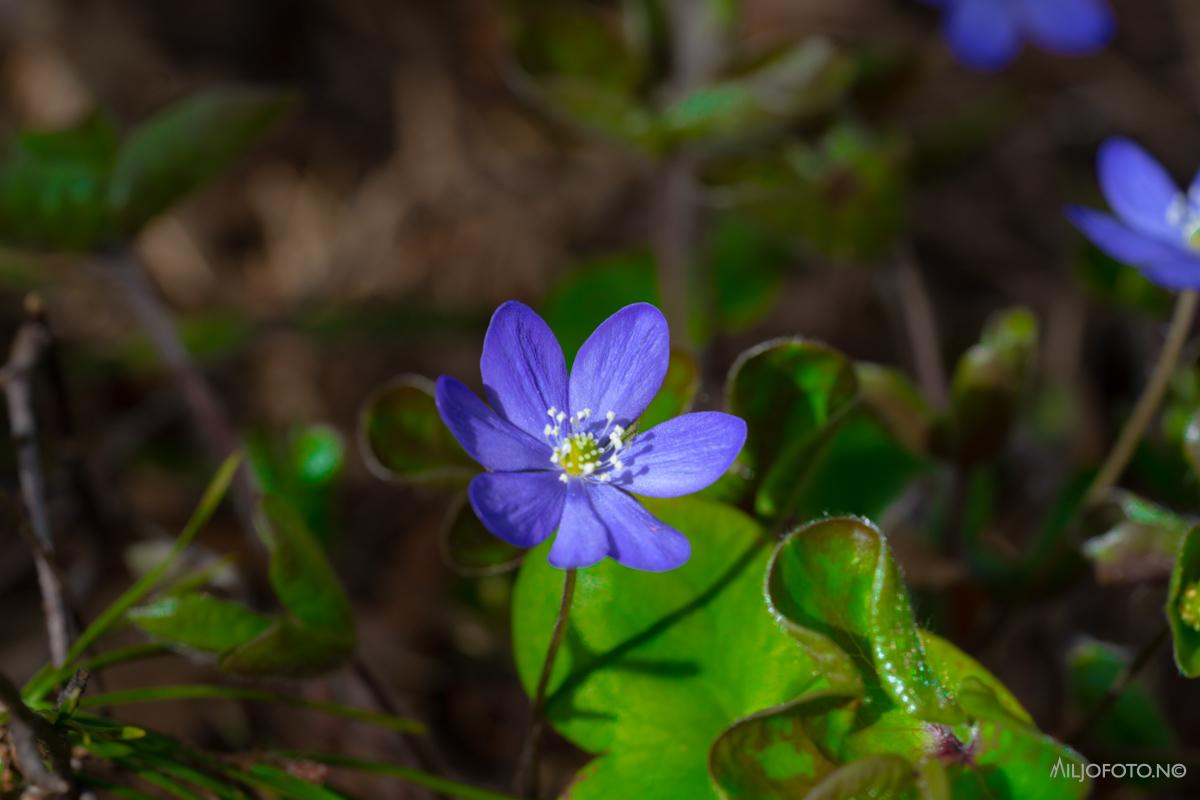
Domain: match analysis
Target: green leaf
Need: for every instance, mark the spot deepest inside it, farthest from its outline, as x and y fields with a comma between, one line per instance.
x=199, y=622
x=861, y=470
x=988, y=385
x=471, y=549
x=52, y=187
x=303, y=467
x=639, y=678
x=881, y=777
x=897, y=403
x=747, y=264
x=836, y=578
x=952, y=666
x=1012, y=759
x=318, y=635
x=290, y=650
x=301, y=575
x=800, y=81
x=1139, y=542
x=1183, y=604
x=587, y=103
x=403, y=437
x=1134, y=719
x=46, y=678
x=843, y=196
x=792, y=394
x=772, y=755
x=185, y=145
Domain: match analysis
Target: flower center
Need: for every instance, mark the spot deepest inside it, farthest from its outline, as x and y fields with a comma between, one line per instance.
x=583, y=452
x=1184, y=215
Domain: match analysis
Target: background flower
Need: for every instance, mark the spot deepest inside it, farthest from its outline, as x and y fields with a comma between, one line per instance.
x=987, y=34
x=1156, y=227
x=560, y=451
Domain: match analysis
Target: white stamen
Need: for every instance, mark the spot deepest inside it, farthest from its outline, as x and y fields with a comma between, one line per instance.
x=563, y=477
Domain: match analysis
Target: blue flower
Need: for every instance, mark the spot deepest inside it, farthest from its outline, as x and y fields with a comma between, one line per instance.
x=987, y=34
x=1156, y=227
x=561, y=452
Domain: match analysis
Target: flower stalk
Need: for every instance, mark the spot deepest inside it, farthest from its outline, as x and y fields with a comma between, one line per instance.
x=526, y=779
x=1148, y=403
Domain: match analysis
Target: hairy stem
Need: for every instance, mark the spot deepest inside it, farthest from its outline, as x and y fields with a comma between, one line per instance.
x=1148, y=403
x=526, y=780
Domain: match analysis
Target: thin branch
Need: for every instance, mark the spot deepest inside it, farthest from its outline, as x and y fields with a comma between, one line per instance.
x=917, y=312
x=526, y=779
x=214, y=428
x=29, y=733
x=1148, y=403
x=27, y=348
x=696, y=50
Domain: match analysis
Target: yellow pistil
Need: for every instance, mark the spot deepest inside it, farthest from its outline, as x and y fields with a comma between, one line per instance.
x=1189, y=605
x=580, y=454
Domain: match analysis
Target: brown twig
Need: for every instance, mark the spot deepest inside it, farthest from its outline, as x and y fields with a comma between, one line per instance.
x=695, y=52
x=29, y=733
x=214, y=428
x=17, y=375
x=1148, y=402
x=921, y=327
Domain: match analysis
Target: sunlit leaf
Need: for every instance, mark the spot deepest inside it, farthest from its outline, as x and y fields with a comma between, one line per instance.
x=638, y=678
x=199, y=622
x=837, y=578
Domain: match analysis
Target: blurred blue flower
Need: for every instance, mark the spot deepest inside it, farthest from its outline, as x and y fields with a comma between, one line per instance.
x=987, y=34
x=1156, y=227
x=559, y=451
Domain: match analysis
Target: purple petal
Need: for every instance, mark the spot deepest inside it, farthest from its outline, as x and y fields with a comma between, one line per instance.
x=1119, y=240
x=583, y=537
x=492, y=441
x=622, y=364
x=983, y=33
x=522, y=508
x=601, y=519
x=1162, y=262
x=524, y=373
x=1136, y=186
x=1068, y=27
x=682, y=455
